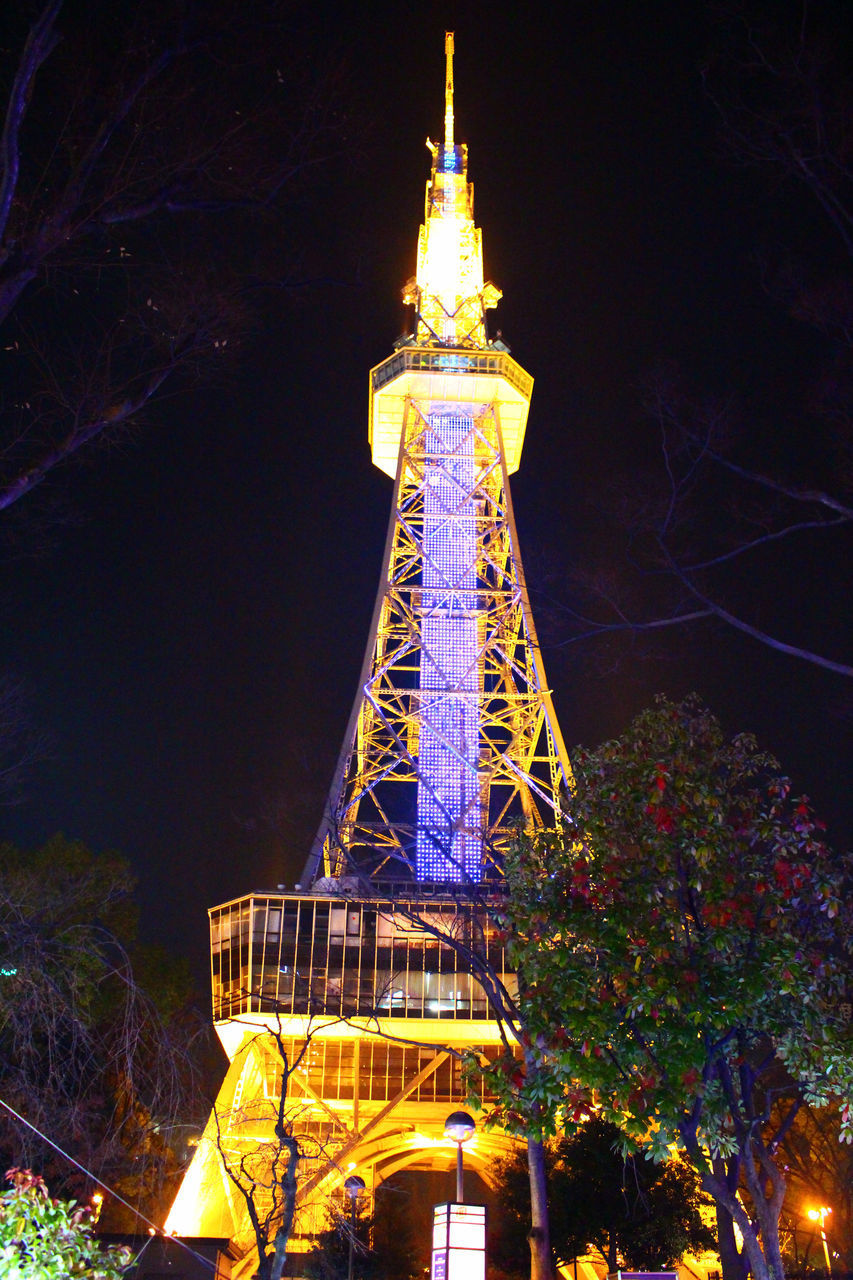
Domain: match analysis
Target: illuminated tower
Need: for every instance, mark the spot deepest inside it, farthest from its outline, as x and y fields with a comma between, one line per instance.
x=453, y=736
x=451, y=745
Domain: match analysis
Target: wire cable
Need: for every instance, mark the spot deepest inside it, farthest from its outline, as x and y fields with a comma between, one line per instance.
x=158, y=1231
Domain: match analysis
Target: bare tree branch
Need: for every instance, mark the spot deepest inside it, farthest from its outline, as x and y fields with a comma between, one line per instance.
x=40, y=44
x=122, y=167
x=721, y=512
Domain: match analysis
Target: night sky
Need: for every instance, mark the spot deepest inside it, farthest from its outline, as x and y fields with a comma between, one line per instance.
x=192, y=638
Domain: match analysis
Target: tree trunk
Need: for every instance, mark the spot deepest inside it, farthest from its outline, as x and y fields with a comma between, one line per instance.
x=768, y=1226
x=541, y=1262
x=279, y=1257
x=288, y=1190
x=760, y=1266
x=732, y=1260
x=765, y=1183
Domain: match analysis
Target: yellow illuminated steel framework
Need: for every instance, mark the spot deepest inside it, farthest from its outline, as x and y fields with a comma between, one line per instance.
x=452, y=743
x=453, y=739
x=517, y=765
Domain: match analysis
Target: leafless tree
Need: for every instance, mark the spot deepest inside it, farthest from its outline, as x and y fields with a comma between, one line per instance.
x=22, y=744
x=818, y=1170
x=715, y=515
x=138, y=149
x=271, y=1151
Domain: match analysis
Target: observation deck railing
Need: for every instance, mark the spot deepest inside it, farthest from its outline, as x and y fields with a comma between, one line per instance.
x=453, y=360
x=316, y=954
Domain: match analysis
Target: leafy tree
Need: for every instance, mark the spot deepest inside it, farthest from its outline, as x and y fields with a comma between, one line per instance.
x=683, y=956
x=85, y=1054
x=402, y=1226
x=390, y=1244
x=45, y=1239
x=618, y=1204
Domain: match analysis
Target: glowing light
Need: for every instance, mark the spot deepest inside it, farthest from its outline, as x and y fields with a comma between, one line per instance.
x=451, y=295
x=448, y=89
x=459, y=1242
x=449, y=826
x=820, y=1215
x=441, y=269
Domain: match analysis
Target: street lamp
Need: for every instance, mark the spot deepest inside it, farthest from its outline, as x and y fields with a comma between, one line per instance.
x=353, y=1186
x=458, y=1127
x=459, y=1229
x=820, y=1215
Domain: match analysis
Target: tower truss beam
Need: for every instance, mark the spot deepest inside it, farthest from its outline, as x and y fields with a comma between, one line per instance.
x=453, y=738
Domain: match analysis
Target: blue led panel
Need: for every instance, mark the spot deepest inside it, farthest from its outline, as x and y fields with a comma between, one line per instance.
x=449, y=823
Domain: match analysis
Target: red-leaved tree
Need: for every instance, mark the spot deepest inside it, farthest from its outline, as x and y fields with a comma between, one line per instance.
x=684, y=959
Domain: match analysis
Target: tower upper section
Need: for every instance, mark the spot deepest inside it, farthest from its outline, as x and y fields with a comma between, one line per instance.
x=448, y=292
x=448, y=359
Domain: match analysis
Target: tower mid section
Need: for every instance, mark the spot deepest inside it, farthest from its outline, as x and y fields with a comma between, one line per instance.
x=363, y=973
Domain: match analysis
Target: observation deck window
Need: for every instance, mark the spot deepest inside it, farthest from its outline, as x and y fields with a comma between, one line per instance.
x=315, y=955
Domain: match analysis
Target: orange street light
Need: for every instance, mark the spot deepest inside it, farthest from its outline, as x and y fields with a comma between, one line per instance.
x=820, y=1215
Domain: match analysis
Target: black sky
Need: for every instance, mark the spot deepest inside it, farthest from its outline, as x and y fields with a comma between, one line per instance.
x=192, y=640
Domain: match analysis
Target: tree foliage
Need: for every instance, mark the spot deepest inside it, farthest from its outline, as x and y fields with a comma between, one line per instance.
x=86, y=1054
x=45, y=1239
x=619, y=1205
x=684, y=960
x=329, y=1259
x=392, y=1243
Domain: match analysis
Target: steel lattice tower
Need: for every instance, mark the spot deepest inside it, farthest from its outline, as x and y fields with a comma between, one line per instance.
x=451, y=745
x=453, y=736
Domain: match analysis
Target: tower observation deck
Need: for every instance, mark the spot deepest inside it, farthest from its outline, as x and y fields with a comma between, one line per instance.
x=452, y=744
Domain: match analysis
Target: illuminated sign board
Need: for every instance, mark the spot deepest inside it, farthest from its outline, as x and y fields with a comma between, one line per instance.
x=459, y=1242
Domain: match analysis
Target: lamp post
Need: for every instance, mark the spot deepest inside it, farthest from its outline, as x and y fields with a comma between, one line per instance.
x=459, y=1229
x=820, y=1215
x=458, y=1127
x=353, y=1186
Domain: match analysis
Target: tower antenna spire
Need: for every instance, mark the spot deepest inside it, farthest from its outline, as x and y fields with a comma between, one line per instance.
x=448, y=91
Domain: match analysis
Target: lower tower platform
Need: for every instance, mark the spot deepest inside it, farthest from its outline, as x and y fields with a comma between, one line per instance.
x=383, y=1005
